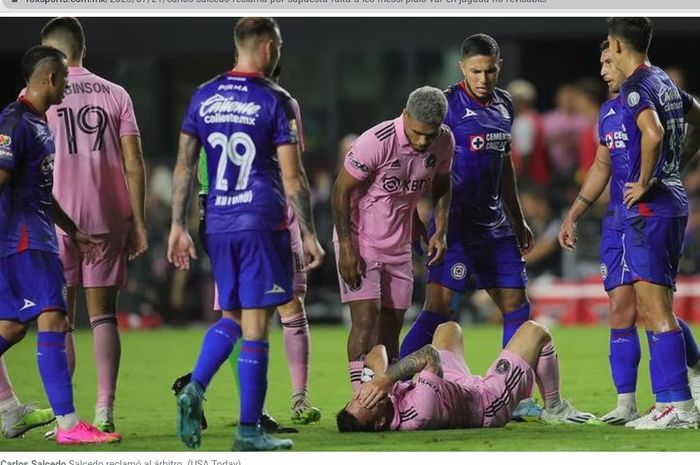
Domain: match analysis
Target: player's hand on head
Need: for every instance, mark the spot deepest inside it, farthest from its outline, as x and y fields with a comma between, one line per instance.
x=90, y=247
x=371, y=393
x=437, y=246
x=525, y=237
x=634, y=191
x=180, y=248
x=137, y=242
x=567, y=235
x=313, y=253
x=351, y=267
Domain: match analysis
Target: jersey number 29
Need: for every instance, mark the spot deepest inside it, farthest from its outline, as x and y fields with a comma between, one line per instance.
x=229, y=151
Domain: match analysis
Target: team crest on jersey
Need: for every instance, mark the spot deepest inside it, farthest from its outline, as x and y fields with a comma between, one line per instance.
x=477, y=143
x=503, y=366
x=5, y=140
x=458, y=271
x=47, y=164
x=604, y=271
x=633, y=99
x=294, y=129
x=430, y=160
x=609, y=141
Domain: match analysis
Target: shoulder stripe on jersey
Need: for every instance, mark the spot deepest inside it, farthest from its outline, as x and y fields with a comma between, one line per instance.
x=500, y=402
x=407, y=413
x=386, y=134
x=385, y=130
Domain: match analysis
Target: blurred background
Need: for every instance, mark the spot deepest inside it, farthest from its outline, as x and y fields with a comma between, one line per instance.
x=350, y=73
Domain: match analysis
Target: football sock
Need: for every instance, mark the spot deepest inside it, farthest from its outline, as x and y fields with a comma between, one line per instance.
x=670, y=349
x=70, y=350
x=421, y=332
x=53, y=368
x=216, y=347
x=625, y=355
x=547, y=377
x=658, y=382
x=513, y=320
x=296, y=347
x=252, y=371
x=107, y=352
x=355, y=370
x=692, y=354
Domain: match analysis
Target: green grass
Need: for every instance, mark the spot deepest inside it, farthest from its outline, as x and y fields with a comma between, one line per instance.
x=145, y=412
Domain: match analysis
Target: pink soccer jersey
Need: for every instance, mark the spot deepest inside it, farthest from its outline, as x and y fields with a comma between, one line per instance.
x=89, y=176
x=397, y=176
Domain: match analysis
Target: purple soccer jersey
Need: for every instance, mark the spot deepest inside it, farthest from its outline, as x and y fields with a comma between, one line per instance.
x=613, y=135
x=482, y=139
x=27, y=151
x=240, y=119
x=649, y=87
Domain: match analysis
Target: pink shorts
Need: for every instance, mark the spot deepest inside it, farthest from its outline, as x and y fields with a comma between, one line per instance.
x=299, y=282
x=110, y=269
x=508, y=381
x=392, y=284
x=454, y=368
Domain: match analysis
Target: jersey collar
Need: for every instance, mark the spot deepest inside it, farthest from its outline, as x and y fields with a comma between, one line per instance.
x=29, y=105
x=463, y=86
x=77, y=71
x=244, y=74
x=401, y=132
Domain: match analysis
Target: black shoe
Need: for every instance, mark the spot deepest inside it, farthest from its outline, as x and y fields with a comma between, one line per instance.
x=270, y=425
x=179, y=384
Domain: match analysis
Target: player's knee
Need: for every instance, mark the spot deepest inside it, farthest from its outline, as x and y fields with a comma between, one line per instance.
x=54, y=321
x=513, y=301
x=13, y=332
x=365, y=321
x=623, y=314
x=448, y=329
x=438, y=300
x=293, y=307
x=536, y=332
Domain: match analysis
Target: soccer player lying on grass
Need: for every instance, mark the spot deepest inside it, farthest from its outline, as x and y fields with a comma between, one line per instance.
x=445, y=395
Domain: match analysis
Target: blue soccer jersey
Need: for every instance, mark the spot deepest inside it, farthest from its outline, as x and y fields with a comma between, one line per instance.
x=482, y=139
x=240, y=119
x=650, y=87
x=27, y=151
x=613, y=135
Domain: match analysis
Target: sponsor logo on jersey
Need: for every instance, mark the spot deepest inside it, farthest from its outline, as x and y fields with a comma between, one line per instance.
x=238, y=87
x=276, y=289
x=27, y=304
x=393, y=184
x=604, y=270
x=5, y=153
x=5, y=140
x=468, y=114
x=504, y=112
x=633, y=99
x=430, y=383
x=503, y=366
x=357, y=164
x=616, y=140
x=430, y=161
x=47, y=164
x=458, y=271
x=493, y=141
x=670, y=98
x=220, y=109
x=611, y=112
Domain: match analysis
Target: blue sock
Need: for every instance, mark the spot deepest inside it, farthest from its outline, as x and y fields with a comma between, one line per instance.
x=217, y=346
x=658, y=383
x=670, y=350
x=513, y=320
x=421, y=332
x=252, y=372
x=692, y=354
x=54, y=371
x=4, y=345
x=625, y=354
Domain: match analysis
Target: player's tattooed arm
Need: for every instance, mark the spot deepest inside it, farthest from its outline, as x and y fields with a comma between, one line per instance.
x=691, y=143
x=188, y=150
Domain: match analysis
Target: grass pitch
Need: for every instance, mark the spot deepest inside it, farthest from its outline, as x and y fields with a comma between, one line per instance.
x=145, y=410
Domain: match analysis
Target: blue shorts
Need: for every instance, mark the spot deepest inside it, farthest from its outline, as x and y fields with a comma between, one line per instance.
x=652, y=248
x=612, y=263
x=495, y=264
x=31, y=282
x=252, y=269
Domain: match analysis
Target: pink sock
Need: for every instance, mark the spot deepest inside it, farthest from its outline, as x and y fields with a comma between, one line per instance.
x=6, y=391
x=70, y=350
x=107, y=350
x=296, y=348
x=355, y=369
x=547, y=374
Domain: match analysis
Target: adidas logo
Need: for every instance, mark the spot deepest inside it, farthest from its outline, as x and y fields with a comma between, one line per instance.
x=395, y=164
x=276, y=289
x=468, y=114
x=27, y=304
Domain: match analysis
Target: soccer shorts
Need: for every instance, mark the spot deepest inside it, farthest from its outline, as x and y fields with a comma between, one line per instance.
x=252, y=269
x=652, y=247
x=454, y=368
x=31, y=282
x=497, y=263
x=612, y=263
x=109, y=270
x=392, y=284
x=509, y=380
x=299, y=284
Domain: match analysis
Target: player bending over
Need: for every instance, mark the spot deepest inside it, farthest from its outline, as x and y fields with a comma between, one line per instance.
x=445, y=394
